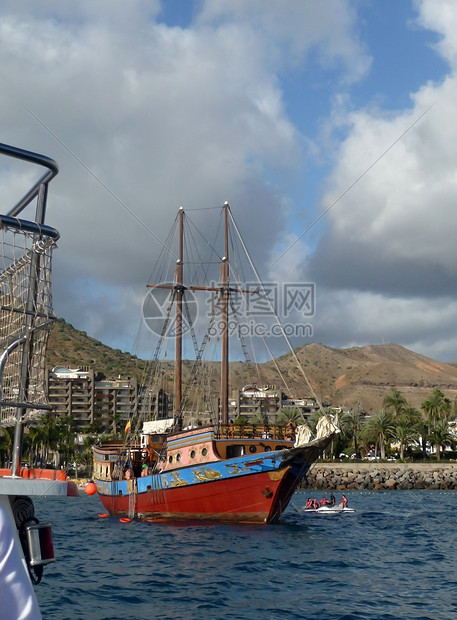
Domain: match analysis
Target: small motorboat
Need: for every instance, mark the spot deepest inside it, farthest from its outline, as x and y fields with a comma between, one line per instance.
x=333, y=510
x=330, y=510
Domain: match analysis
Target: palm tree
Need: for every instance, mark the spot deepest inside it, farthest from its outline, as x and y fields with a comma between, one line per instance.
x=6, y=442
x=437, y=406
x=289, y=414
x=440, y=436
x=48, y=426
x=410, y=415
x=404, y=433
x=37, y=441
x=351, y=424
x=378, y=428
x=395, y=402
x=64, y=434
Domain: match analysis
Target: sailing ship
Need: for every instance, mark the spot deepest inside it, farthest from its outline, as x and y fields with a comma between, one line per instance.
x=25, y=318
x=220, y=471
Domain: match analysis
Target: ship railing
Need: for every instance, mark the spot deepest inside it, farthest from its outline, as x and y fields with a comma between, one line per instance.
x=252, y=431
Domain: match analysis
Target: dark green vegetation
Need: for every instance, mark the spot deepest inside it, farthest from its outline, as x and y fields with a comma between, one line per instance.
x=401, y=429
x=50, y=442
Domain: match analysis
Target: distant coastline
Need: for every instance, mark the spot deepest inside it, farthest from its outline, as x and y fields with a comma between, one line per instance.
x=381, y=476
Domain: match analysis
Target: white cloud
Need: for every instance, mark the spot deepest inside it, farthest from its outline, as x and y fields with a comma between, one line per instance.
x=288, y=32
x=392, y=236
x=161, y=116
x=166, y=116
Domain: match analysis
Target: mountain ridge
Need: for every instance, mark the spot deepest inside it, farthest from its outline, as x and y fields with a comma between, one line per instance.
x=353, y=377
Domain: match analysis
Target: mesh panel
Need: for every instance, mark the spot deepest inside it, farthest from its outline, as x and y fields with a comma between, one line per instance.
x=25, y=313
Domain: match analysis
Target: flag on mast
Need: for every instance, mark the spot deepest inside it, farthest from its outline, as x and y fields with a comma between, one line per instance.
x=127, y=427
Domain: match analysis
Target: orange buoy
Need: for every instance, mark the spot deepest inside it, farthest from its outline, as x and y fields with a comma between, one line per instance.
x=90, y=488
x=104, y=514
x=125, y=520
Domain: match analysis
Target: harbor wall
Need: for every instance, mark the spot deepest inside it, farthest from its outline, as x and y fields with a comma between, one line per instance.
x=381, y=476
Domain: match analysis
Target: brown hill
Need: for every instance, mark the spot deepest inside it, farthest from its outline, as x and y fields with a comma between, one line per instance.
x=359, y=376
x=364, y=375
x=73, y=348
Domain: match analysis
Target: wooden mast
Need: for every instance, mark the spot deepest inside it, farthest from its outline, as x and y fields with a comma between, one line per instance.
x=224, y=289
x=225, y=292
x=179, y=299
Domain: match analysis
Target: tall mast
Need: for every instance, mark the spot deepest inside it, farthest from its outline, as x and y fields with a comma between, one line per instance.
x=225, y=336
x=179, y=298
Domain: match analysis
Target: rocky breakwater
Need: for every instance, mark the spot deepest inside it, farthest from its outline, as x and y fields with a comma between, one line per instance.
x=381, y=476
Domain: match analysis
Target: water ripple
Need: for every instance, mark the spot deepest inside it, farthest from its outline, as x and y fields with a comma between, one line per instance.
x=391, y=559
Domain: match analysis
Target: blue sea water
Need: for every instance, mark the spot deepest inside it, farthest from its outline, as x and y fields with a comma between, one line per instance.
x=394, y=558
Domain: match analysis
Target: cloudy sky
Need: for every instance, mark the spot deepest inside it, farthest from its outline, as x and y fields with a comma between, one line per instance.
x=329, y=125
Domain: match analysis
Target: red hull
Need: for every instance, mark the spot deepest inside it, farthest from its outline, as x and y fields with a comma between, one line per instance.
x=257, y=498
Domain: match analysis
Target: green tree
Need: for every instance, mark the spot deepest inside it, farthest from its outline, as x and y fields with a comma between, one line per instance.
x=48, y=425
x=437, y=406
x=6, y=443
x=37, y=441
x=351, y=425
x=289, y=414
x=378, y=428
x=404, y=433
x=65, y=438
x=395, y=402
x=440, y=436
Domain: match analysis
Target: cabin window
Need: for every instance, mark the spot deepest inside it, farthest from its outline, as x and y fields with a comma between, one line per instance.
x=252, y=449
x=233, y=451
x=204, y=452
x=178, y=457
x=267, y=448
x=192, y=454
x=170, y=459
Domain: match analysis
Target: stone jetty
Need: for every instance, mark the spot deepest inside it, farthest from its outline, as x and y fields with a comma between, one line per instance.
x=381, y=476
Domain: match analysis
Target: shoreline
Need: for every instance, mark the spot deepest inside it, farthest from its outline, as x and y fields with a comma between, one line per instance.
x=378, y=476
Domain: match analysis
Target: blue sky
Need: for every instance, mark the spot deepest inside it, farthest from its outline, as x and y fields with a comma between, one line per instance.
x=277, y=107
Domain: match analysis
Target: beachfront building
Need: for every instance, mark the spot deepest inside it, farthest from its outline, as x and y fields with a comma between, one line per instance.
x=105, y=403
x=265, y=403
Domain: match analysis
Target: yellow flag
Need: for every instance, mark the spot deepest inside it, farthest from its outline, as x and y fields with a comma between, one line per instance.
x=127, y=427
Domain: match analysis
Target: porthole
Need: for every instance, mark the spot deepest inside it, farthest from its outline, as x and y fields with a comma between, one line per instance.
x=267, y=448
x=192, y=454
x=204, y=452
x=170, y=459
x=178, y=457
x=252, y=449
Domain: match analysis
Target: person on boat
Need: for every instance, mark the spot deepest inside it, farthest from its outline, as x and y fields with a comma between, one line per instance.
x=116, y=471
x=344, y=502
x=309, y=503
x=332, y=500
x=144, y=470
x=324, y=501
x=315, y=503
x=291, y=430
